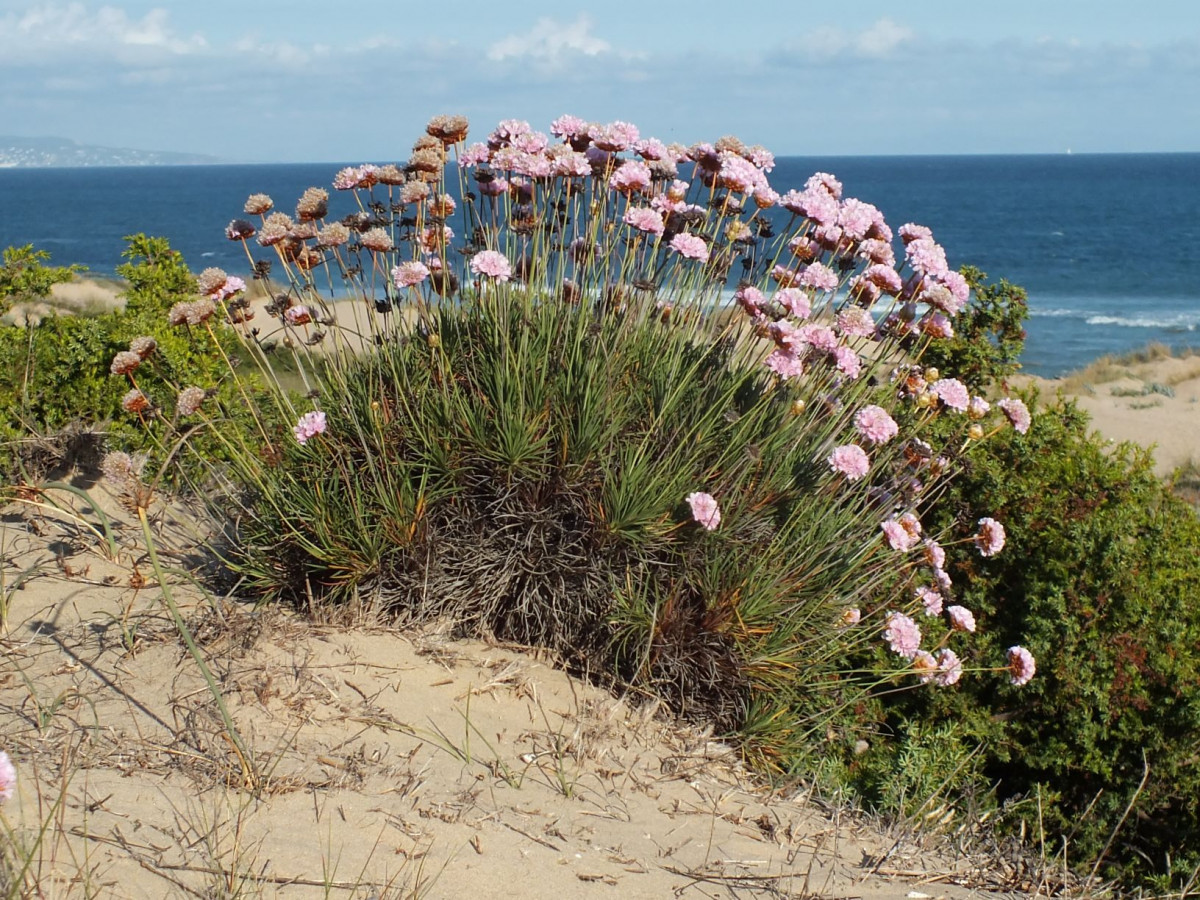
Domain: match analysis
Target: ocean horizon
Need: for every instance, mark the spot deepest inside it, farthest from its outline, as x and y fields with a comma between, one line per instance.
x=1101, y=241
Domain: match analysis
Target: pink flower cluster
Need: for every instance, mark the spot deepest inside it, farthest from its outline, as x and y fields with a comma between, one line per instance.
x=8, y=778
x=851, y=461
x=705, y=510
x=310, y=425
x=492, y=264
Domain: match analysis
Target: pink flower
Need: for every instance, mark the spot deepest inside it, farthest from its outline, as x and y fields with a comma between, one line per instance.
x=934, y=554
x=910, y=232
x=851, y=616
x=952, y=392
x=943, y=579
x=847, y=361
x=568, y=126
x=795, y=301
x=631, y=177
x=785, y=364
x=8, y=778
x=818, y=205
x=925, y=665
x=750, y=299
x=990, y=537
x=705, y=509
x=643, y=219
x=937, y=326
x=474, y=155
x=927, y=257
x=850, y=460
x=819, y=337
x=819, y=277
x=961, y=618
x=409, y=274
x=492, y=264
x=615, y=136
x=310, y=425
x=931, y=600
x=856, y=218
x=854, y=321
x=949, y=668
x=690, y=246
x=902, y=635
x=823, y=181
x=898, y=537
x=1016, y=412
x=298, y=315
x=1021, y=665
x=875, y=424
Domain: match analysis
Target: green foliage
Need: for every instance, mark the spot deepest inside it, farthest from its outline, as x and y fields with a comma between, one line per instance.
x=989, y=333
x=55, y=375
x=25, y=276
x=1099, y=579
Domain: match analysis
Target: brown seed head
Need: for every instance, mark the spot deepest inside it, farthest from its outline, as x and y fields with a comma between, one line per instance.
x=448, y=129
x=258, y=205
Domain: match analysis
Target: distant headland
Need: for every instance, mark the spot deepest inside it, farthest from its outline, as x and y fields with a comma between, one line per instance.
x=55, y=152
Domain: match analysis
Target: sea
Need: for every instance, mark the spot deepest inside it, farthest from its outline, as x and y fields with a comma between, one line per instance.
x=1107, y=245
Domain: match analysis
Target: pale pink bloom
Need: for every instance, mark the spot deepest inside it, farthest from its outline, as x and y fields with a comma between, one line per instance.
x=568, y=127
x=958, y=287
x=978, y=408
x=506, y=131
x=652, y=149
x=819, y=277
x=1021, y=665
x=784, y=277
x=934, y=554
x=850, y=460
x=819, y=337
x=910, y=232
x=950, y=668
x=885, y=278
x=690, y=246
x=902, y=634
x=309, y=425
x=572, y=165
x=898, y=537
x=644, y=219
x=376, y=239
x=298, y=315
x=925, y=665
x=1016, y=412
x=8, y=778
x=705, y=509
x=856, y=218
x=877, y=252
x=854, y=321
x=931, y=600
x=409, y=274
x=961, y=618
x=678, y=190
x=830, y=237
x=632, y=176
x=951, y=392
x=760, y=157
x=740, y=175
x=937, y=326
x=497, y=187
x=818, y=205
x=875, y=424
x=474, y=155
x=824, y=181
x=614, y=137
x=851, y=616
x=990, y=538
x=927, y=257
x=846, y=360
x=532, y=142
x=785, y=365
x=750, y=299
x=795, y=301
x=492, y=264
x=803, y=247
x=939, y=296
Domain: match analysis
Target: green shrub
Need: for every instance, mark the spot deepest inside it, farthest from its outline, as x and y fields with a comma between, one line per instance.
x=55, y=375
x=1100, y=579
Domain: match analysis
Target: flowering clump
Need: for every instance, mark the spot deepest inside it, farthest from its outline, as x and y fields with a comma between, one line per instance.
x=492, y=264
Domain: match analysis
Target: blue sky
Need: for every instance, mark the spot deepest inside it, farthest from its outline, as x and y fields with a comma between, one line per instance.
x=259, y=80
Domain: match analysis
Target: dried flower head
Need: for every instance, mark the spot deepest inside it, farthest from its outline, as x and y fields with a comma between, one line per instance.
x=143, y=346
x=275, y=229
x=125, y=362
x=335, y=234
x=377, y=239
x=313, y=204
x=189, y=400
x=135, y=401
x=239, y=230
x=448, y=129
x=258, y=205
x=426, y=162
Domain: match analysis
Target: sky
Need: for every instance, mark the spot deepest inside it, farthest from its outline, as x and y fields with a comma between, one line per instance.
x=299, y=81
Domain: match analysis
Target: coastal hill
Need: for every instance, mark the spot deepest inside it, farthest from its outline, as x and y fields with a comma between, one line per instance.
x=54, y=152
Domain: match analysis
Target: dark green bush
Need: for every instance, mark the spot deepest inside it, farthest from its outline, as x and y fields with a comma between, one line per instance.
x=1100, y=579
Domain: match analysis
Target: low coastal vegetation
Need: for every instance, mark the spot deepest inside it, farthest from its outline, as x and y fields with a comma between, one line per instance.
x=702, y=438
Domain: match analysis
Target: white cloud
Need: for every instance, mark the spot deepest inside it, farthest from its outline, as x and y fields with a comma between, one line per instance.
x=549, y=41
x=108, y=30
x=882, y=38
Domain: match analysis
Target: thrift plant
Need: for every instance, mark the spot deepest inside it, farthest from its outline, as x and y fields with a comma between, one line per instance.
x=620, y=399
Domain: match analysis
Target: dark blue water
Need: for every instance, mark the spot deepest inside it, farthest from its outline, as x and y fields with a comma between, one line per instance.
x=1106, y=245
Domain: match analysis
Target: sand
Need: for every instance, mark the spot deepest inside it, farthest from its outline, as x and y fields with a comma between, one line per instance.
x=377, y=763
